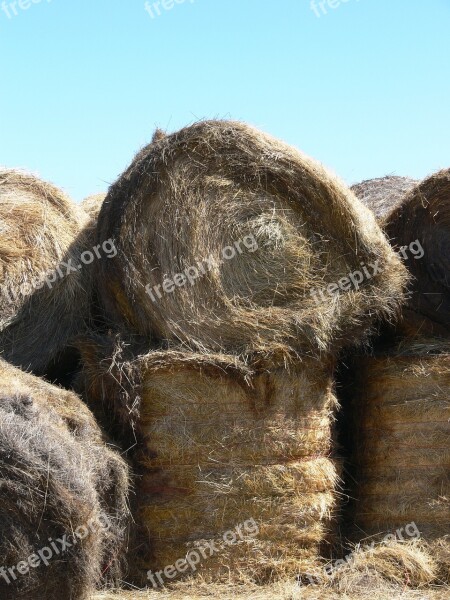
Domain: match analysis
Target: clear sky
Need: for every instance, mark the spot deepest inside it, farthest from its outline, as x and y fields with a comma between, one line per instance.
x=364, y=88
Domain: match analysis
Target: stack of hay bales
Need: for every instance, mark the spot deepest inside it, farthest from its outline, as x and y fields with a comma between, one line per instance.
x=63, y=494
x=44, y=293
x=401, y=399
x=220, y=446
x=403, y=440
x=226, y=239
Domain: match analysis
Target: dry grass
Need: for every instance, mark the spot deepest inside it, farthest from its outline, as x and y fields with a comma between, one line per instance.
x=220, y=442
x=40, y=227
x=189, y=195
x=424, y=215
x=402, y=441
x=56, y=474
x=276, y=592
x=92, y=205
x=391, y=571
x=383, y=194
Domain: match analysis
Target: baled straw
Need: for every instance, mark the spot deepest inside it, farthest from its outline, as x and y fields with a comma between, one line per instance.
x=424, y=215
x=220, y=443
x=383, y=194
x=41, y=309
x=256, y=228
x=402, y=440
x=59, y=482
x=93, y=204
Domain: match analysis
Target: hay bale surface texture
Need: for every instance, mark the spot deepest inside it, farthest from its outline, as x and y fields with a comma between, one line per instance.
x=424, y=215
x=402, y=432
x=221, y=445
x=41, y=308
x=383, y=194
x=63, y=494
x=92, y=206
x=224, y=233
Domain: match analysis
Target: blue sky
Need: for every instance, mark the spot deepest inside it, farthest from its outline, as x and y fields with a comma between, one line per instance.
x=364, y=88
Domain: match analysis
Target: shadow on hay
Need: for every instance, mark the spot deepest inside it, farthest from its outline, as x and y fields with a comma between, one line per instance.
x=58, y=479
x=410, y=210
x=42, y=229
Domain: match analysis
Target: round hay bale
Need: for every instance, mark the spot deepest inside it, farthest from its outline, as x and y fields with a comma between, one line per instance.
x=63, y=494
x=225, y=237
x=220, y=444
x=424, y=216
x=92, y=206
x=383, y=194
x=402, y=440
x=41, y=308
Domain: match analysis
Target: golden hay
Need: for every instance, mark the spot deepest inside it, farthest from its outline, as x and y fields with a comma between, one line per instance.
x=383, y=194
x=402, y=440
x=220, y=443
x=39, y=229
x=394, y=571
x=93, y=204
x=57, y=478
x=285, y=591
x=424, y=215
x=249, y=228
x=392, y=564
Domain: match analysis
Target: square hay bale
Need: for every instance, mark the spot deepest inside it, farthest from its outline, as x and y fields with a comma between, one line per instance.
x=220, y=444
x=401, y=426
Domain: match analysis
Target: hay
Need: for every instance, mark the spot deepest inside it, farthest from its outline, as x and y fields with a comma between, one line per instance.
x=424, y=215
x=392, y=564
x=219, y=443
x=282, y=591
x=92, y=205
x=402, y=440
x=188, y=196
x=413, y=327
x=394, y=571
x=383, y=194
x=57, y=478
x=39, y=229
